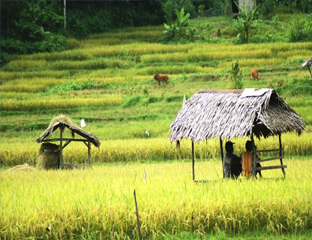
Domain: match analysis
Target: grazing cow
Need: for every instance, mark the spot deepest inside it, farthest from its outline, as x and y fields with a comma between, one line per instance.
x=255, y=74
x=161, y=78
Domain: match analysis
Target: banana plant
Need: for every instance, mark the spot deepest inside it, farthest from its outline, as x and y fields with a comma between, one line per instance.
x=178, y=28
x=182, y=18
x=245, y=19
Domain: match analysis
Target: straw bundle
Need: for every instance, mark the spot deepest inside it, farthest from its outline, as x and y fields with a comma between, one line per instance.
x=22, y=167
x=48, y=156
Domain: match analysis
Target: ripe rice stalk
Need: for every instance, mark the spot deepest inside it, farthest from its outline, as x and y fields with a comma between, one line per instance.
x=135, y=49
x=20, y=65
x=174, y=69
x=34, y=74
x=29, y=85
x=214, y=207
x=70, y=102
x=253, y=62
x=153, y=149
x=92, y=64
x=22, y=167
x=73, y=55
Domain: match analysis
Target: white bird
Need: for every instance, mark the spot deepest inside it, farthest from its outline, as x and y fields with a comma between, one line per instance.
x=83, y=123
x=147, y=133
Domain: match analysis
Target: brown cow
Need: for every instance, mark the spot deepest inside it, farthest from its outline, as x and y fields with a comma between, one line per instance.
x=161, y=78
x=255, y=74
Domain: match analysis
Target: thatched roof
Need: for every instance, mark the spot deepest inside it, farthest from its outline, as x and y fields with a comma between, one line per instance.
x=63, y=121
x=234, y=113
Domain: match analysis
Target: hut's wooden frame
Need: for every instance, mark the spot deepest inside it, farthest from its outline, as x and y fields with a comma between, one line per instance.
x=280, y=150
x=88, y=138
x=183, y=125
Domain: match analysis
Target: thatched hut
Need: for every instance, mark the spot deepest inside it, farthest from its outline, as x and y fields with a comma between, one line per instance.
x=63, y=122
x=227, y=114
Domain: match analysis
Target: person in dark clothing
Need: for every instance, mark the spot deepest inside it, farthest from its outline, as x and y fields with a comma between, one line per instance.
x=232, y=166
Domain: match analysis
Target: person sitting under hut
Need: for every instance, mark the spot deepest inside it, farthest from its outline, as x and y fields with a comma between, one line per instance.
x=247, y=158
x=231, y=163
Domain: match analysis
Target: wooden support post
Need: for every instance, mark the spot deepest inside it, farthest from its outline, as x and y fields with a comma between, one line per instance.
x=137, y=214
x=64, y=14
x=281, y=153
x=193, y=161
x=89, y=152
x=254, y=160
x=221, y=148
x=61, y=146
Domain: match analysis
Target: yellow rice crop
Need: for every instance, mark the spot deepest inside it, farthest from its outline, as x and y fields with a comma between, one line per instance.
x=135, y=49
x=34, y=74
x=253, y=63
x=148, y=149
x=99, y=203
x=92, y=64
x=29, y=85
x=60, y=102
x=170, y=69
x=21, y=65
x=73, y=55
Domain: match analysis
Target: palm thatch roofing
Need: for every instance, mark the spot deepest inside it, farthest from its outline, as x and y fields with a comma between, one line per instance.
x=64, y=121
x=234, y=113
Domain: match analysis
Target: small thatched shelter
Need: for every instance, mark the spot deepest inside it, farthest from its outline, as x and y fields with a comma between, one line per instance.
x=226, y=114
x=63, y=122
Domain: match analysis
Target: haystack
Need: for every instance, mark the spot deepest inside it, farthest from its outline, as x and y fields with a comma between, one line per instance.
x=49, y=156
x=23, y=167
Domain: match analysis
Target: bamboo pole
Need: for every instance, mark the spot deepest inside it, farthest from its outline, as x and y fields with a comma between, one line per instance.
x=271, y=167
x=89, y=152
x=61, y=146
x=137, y=214
x=268, y=159
x=280, y=152
x=254, y=156
x=193, y=161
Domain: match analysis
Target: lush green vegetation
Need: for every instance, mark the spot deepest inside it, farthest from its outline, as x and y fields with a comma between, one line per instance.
x=107, y=79
x=42, y=26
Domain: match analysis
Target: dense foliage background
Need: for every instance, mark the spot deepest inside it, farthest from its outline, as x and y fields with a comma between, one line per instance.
x=38, y=26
